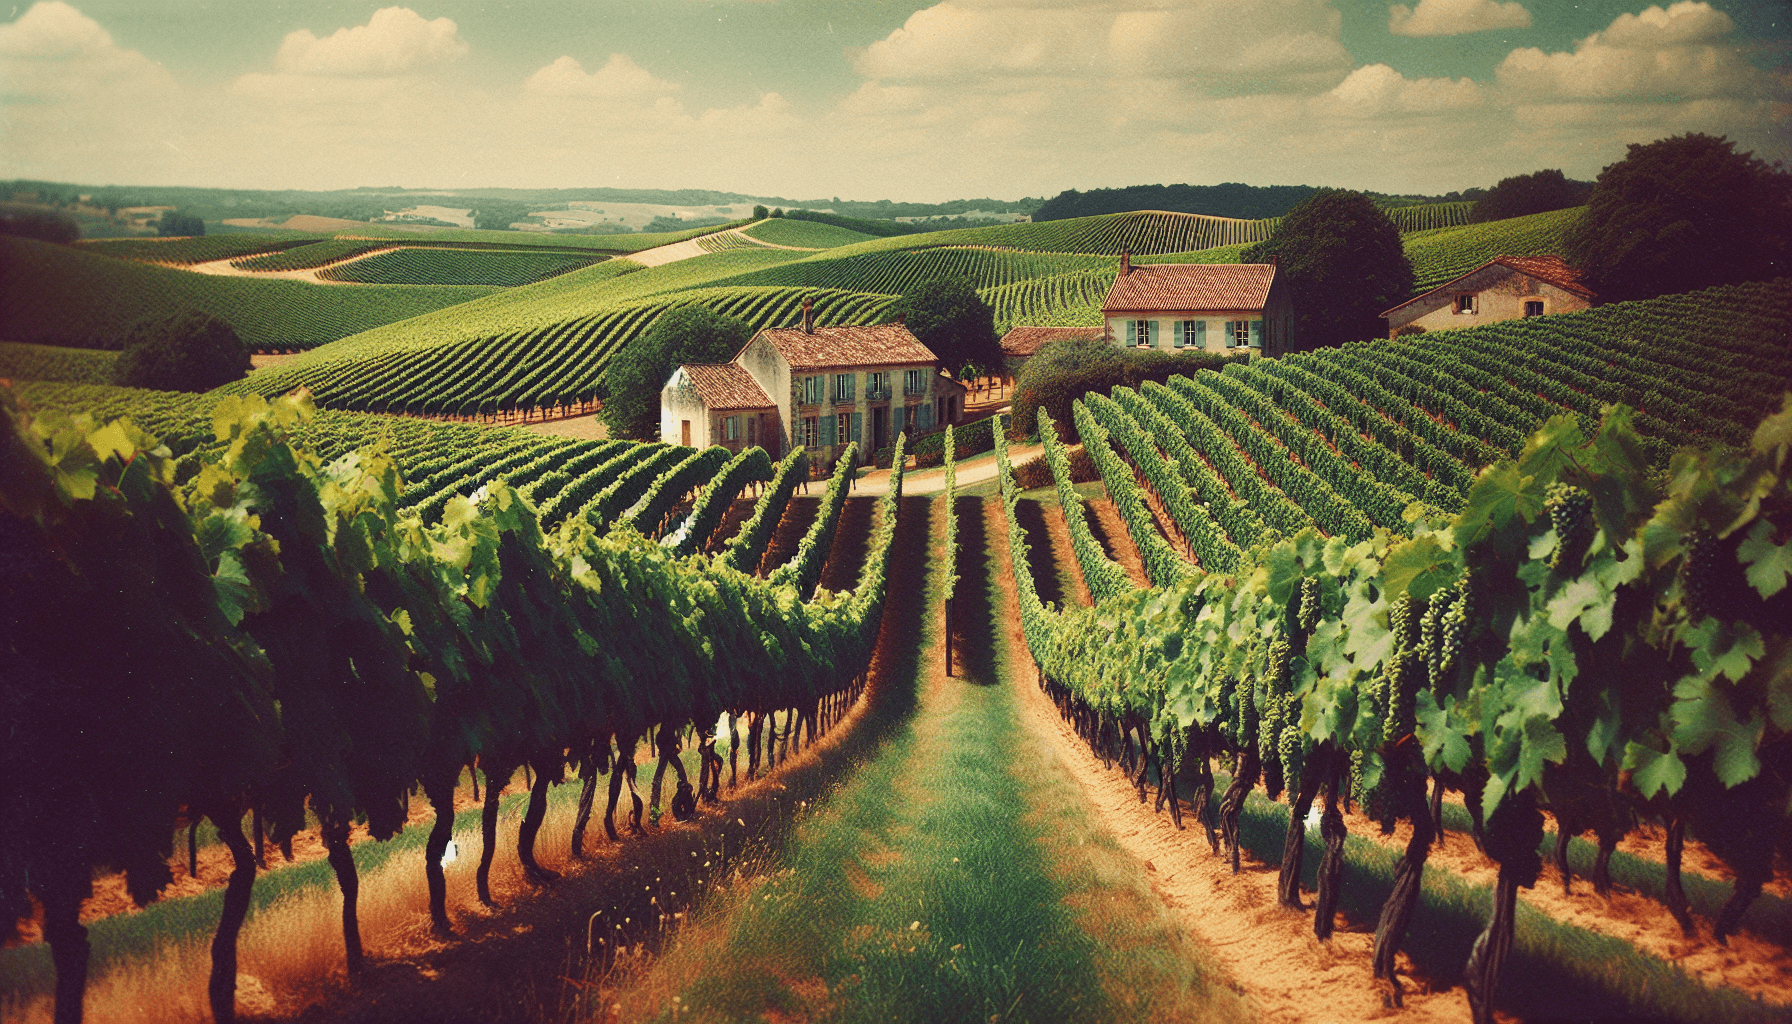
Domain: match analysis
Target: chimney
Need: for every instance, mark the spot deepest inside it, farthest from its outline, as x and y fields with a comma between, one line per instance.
x=1125, y=261
x=808, y=316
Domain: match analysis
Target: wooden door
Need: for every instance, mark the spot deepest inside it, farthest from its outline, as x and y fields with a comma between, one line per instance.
x=685, y=433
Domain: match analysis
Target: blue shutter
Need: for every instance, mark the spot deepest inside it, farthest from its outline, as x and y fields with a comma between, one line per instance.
x=1132, y=332
x=1200, y=334
x=827, y=429
x=1256, y=334
x=1178, y=334
x=857, y=435
x=1151, y=334
x=895, y=421
x=924, y=415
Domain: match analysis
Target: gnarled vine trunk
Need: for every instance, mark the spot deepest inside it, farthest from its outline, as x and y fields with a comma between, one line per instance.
x=221, y=989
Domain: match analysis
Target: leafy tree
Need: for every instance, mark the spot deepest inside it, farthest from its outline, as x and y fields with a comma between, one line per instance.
x=1680, y=214
x=175, y=224
x=953, y=321
x=760, y=213
x=688, y=334
x=1343, y=263
x=1529, y=193
x=43, y=225
x=190, y=351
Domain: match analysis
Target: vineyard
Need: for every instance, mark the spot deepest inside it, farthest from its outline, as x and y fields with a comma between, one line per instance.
x=183, y=252
x=57, y=295
x=1446, y=253
x=384, y=677
x=501, y=269
x=551, y=367
x=49, y=362
x=1350, y=645
x=805, y=234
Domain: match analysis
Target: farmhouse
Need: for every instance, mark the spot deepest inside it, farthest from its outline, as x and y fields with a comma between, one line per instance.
x=1503, y=288
x=818, y=387
x=1217, y=307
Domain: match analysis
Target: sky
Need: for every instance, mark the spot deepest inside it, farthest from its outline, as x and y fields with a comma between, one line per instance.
x=876, y=99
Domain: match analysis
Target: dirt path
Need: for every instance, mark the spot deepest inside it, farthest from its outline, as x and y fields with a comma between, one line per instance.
x=846, y=557
x=799, y=513
x=1110, y=529
x=223, y=268
x=1270, y=952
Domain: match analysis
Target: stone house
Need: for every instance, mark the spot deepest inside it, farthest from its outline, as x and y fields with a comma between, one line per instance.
x=818, y=387
x=1503, y=288
x=1214, y=307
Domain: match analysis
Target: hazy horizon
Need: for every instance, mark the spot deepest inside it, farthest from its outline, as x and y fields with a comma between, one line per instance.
x=909, y=102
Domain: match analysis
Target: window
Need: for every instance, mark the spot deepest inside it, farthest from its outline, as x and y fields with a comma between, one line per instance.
x=752, y=430
x=1465, y=302
x=843, y=428
x=1533, y=307
x=843, y=387
x=1241, y=334
x=1141, y=333
x=914, y=382
x=1187, y=333
x=877, y=386
x=731, y=428
x=811, y=428
x=812, y=387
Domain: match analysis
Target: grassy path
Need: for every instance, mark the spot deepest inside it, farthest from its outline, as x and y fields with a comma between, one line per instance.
x=953, y=877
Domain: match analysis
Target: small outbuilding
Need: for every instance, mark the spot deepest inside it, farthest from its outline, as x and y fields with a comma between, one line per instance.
x=1021, y=343
x=717, y=404
x=1503, y=288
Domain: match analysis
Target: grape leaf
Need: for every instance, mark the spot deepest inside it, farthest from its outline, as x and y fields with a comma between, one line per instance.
x=1442, y=743
x=1769, y=564
x=1653, y=771
x=1420, y=567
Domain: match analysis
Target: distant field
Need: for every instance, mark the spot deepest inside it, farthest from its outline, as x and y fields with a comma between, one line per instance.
x=892, y=273
x=459, y=266
x=805, y=234
x=62, y=295
x=48, y=362
x=305, y=257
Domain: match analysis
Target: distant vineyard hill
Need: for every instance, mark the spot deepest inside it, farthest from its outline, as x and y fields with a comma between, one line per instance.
x=1232, y=199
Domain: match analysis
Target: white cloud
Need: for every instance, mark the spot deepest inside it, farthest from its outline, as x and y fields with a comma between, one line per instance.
x=55, y=51
x=1376, y=90
x=1455, y=17
x=617, y=79
x=394, y=41
x=1670, y=54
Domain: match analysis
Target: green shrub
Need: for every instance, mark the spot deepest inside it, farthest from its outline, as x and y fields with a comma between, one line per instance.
x=190, y=351
x=1037, y=472
x=1063, y=371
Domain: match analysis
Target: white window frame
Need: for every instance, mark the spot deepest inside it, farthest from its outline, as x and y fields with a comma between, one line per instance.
x=875, y=384
x=914, y=382
x=811, y=431
x=814, y=388
x=842, y=428
x=843, y=387
x=1241, y=334
x=1141, y=333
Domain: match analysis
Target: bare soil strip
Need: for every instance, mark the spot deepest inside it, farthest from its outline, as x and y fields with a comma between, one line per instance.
x=1270, y=952
x=1110, y=530
x=799, y=514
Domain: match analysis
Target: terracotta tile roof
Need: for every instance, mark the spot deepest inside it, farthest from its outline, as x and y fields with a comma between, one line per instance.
x=1020, y=342
x=1191, y=286
x=726, y=386
x=865, y=345
x=1548, y=269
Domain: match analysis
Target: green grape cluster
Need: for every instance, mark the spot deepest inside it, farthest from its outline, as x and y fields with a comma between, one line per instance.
x=1444, y=626
x=1308, y=615
x=1569, y=510
x=1292, y=750
x=1274, y=714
